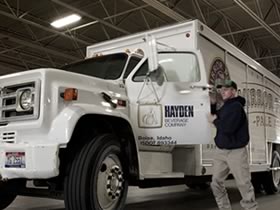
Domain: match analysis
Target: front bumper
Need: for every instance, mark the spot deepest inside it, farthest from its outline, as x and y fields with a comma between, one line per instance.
x=41, y=161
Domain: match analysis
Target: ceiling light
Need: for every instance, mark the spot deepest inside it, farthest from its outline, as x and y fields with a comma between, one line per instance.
x=65, y=21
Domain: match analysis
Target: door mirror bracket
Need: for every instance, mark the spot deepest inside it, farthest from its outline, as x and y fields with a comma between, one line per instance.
x=157, y=75
x=152, y=53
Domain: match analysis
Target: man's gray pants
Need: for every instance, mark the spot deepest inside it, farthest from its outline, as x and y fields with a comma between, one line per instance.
x=236, y=162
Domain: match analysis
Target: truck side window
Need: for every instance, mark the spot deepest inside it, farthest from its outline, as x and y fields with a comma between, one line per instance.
x=177, y=66
x=140, y=75
x=133, y=61
x=180, y=66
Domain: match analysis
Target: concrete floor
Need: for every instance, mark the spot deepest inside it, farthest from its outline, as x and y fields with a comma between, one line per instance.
x=164, y=198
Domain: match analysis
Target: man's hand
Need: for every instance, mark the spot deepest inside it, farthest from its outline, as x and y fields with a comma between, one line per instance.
x=213, y=99
x=211, y=117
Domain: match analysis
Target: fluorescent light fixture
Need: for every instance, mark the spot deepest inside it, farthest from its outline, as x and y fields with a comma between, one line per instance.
x=65, y=21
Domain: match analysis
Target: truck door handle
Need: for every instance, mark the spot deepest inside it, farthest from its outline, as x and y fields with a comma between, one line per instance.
x=108, y=99
x=203, y=87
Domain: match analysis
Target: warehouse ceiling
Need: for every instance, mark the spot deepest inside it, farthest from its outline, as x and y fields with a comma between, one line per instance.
x=28, y=41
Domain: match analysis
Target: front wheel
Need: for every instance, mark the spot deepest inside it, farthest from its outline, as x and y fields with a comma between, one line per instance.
x=271, y=183
x=257, y=181
x=98, y=177
x=198, y=186
x=8, y=192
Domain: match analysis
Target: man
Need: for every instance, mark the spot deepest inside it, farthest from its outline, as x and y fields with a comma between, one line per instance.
x=231, y=156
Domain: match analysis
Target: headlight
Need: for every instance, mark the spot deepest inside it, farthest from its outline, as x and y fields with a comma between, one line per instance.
x=25, y=99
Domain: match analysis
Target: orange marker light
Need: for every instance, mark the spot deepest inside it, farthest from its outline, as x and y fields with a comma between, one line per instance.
x=70, y=94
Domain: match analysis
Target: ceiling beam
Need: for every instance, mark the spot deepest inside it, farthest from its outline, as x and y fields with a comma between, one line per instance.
x=233, y=6
x=274, y=70
x=145, y=20
x=83, y=26
x=243, y=6
x=259, y=10
x=217, y=22
x=165, y=10
x=33, y=35
x=10, y=8
x=250, y=29
x=227, y=26
x=29, y=57
x=273, y=63
x=14, y=66
x=7, y=69
x=267, y=57
x=145, y=10
x=90, y=16
x=198, y=11
x=269, y=11
x=276, y=9
x=232, y=21
x=253, y=46
x=108, y=18
x=106, y=11
x=223, y=14
x=25, y=58
x=35, y=46
x=42, y=27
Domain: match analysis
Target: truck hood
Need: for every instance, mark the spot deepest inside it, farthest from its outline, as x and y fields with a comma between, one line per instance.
x=114, y=87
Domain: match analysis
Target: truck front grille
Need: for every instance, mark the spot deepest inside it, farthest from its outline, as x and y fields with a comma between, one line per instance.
x=9, y=102
x=8, y=137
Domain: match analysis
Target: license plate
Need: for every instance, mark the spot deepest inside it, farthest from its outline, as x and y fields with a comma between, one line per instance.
x=15, y=160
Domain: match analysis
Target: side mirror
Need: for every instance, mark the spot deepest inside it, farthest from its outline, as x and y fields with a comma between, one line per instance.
x=152, y=53
x=157, y=75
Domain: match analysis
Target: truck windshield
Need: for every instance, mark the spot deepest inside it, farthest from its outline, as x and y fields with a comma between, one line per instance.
x=108, y=67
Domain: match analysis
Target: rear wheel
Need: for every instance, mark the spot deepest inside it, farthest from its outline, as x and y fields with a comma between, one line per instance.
x=197, y=183
x=257, y=182
x=198, y=186
x=98, y=177
x=271, y=181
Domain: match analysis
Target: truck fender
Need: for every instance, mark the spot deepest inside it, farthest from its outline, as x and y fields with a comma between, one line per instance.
x=68, y=118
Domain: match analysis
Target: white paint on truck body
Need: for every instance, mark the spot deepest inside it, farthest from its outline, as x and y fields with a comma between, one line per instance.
x=168, y=119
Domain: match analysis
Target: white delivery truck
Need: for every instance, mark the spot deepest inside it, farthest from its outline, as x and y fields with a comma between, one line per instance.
x=132, y=113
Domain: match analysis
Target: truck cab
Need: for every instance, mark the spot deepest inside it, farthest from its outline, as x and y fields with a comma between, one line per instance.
x=115, y=101
x=134, y=112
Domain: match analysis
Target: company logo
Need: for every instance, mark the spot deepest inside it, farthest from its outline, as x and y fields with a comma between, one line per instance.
x=149, y=116
x=218, y=72
x=178, y=115
x=179, y=111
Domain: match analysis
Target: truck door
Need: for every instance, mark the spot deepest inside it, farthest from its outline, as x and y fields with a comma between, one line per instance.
x=173, y=111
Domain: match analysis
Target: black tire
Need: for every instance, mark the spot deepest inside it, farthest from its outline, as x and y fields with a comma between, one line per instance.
x=271, y=181
x=256, y=180
x=198, y=186
x=98, y=177
x=8, y=193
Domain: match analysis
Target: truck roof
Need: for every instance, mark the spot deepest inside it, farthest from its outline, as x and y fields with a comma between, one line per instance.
x=178, y=36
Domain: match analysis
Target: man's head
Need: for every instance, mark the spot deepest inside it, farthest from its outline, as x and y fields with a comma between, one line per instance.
x=228, y=89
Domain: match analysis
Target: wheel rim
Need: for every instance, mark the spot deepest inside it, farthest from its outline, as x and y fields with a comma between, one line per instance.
x=110, y=182
x=276, y=173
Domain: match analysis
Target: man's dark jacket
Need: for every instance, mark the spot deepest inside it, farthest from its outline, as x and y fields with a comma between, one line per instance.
x=231, y=124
